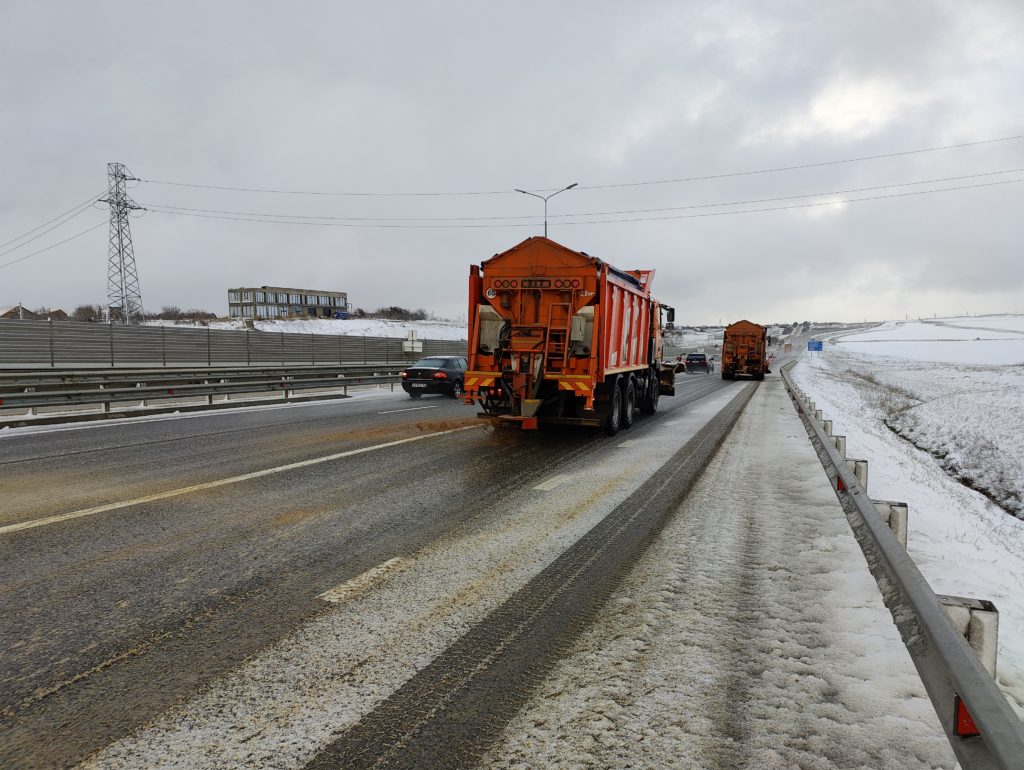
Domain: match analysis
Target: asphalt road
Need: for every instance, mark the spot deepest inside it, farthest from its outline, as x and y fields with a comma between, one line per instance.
x=124, y=589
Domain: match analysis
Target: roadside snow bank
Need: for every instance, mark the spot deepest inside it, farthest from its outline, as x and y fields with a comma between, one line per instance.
x=963, y=543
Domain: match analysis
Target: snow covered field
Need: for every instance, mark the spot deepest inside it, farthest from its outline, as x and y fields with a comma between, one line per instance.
x=956, y=392
x=935, y=428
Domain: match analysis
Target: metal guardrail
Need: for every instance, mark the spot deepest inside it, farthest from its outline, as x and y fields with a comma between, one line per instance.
x=22, y=390
x=948, y=666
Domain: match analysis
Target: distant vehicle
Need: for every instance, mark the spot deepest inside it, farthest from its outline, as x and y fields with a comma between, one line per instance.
x=698, y=362
x=745, y=351
x=435, y=374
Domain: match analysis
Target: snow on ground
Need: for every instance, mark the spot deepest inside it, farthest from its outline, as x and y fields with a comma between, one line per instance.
x=969, y=416
x=995, y=340
x=966, y=414
x=352, y=327
x=751, y=634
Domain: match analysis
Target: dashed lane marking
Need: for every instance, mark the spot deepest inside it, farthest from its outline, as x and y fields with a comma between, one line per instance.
x=360, y=582
x=220, y=482
x=410, y=409
x=630, y=442
x=554, y=481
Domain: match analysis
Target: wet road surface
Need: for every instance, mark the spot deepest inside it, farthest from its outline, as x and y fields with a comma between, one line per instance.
x=111, y=616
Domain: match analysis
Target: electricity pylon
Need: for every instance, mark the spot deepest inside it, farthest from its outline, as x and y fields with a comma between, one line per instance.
x=124, y=297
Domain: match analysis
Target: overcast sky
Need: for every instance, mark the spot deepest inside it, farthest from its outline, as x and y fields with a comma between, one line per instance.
x=455, y=97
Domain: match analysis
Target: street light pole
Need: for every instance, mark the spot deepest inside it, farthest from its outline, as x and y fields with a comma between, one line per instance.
x=545, y=199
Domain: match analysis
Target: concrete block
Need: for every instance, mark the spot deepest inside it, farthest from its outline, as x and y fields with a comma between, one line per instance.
x=978, y=621
x=860, y=470
x=840, y=442
x=826, y=425
x=895, y=515
x=817, y=415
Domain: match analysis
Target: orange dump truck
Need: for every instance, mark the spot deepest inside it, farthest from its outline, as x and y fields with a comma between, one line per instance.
x=558, y=336
x=744, y=351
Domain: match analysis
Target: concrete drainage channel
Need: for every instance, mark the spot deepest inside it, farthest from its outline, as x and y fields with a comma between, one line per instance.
x=952, y=640
x=449, y=712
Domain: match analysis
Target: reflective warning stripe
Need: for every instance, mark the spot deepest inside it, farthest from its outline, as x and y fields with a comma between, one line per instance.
x=476, y=382
x=577, y=386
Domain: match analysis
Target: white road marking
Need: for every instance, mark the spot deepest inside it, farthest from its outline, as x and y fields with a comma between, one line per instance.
x=630, y=442
x=360, y=582
x=554, y=481
x=220, y=482
x=410, y=409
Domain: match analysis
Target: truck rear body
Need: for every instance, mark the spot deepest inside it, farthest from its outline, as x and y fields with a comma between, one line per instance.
x=744, y=351
x=551, y=330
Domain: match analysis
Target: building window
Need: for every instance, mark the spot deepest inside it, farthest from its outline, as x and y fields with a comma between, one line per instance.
x=282, y=312
x=232, y=296
x=234, y=311
x=271, y=297
x=261, y=296
x=246, y=296
x=294, y=299
x=247, y=311
x=311, y=312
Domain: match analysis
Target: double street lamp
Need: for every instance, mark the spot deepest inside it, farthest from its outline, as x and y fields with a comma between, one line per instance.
x=545, y=199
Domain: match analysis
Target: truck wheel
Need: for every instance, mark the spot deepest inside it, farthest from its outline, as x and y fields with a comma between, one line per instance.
x=613, y=421
x=628, y=404
x=649, y=403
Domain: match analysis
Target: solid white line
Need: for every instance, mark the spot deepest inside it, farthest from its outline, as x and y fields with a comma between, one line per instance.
x=554, y=481
x=410, y=409
x=360, y=582
x=219, y=482
x=630, y=442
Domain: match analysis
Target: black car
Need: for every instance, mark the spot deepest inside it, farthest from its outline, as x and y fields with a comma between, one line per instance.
x=435, y=374
x=698, y=362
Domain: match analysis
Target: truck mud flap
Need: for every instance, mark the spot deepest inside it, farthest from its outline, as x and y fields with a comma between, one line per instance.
x=667, y=381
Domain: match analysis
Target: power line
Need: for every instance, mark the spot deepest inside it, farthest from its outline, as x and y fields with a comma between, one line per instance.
x=166, y=209
x=726, y=175
x=83, y=205
x=54, y=245
x=798, y=205
x=805, y=165
x=584, y=222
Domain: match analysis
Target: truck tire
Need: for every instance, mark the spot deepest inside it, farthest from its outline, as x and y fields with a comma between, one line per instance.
x=649, y=403
x=628, y=404
x=613, y=420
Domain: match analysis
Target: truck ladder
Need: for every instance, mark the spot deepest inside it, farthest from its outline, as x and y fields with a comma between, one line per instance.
x=556, y=349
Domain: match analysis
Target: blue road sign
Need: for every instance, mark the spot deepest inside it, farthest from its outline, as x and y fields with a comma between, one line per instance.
x=814, y=346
